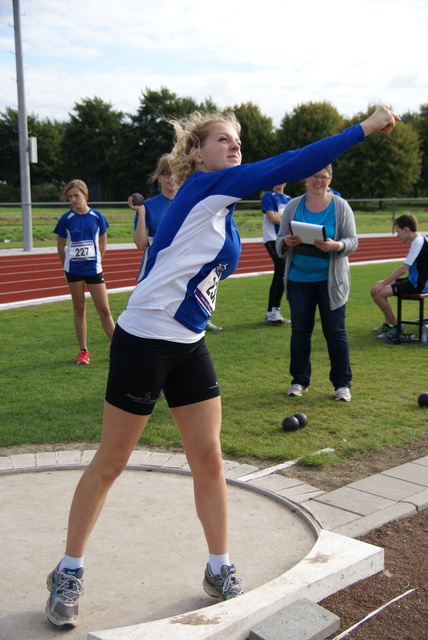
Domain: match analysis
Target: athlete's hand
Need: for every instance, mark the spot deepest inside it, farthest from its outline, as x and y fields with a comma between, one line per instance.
x=381, y=120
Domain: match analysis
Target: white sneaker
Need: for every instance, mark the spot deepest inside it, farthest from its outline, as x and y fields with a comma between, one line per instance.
x=275, y=317
x=344, y=394
x=296, y=390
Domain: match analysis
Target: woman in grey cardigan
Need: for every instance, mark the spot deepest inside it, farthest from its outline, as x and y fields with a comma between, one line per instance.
x=317, y=275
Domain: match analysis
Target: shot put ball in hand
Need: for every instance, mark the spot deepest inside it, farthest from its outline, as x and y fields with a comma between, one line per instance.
x=137, y=199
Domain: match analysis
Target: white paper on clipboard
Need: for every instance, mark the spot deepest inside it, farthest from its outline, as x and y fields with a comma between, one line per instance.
x=307, y=232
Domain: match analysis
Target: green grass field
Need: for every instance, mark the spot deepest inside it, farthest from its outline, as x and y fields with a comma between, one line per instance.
x=121, y=218
x=46, y=398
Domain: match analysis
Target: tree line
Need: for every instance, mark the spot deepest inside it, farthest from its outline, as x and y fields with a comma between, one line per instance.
x=115, y=152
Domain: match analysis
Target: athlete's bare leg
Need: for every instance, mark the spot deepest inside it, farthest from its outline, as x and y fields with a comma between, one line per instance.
x=199, y=425
x=100, y=298
x=121, y=431
x=77, y=290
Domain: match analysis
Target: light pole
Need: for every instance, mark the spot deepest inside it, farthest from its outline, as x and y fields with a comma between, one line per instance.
x=24, y=162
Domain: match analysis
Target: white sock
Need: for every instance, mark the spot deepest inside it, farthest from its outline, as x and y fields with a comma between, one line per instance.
x=216, y=562
x=68, y=562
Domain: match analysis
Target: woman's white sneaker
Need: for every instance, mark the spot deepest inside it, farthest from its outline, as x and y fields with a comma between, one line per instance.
x=62, y=608
x=225, y=586
x=296, y=390
x=344, y=394
x=275, y=317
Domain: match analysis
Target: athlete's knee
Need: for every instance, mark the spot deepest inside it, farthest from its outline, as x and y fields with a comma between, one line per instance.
x=109, y=467
x=210, y=463
x=79, y=310
x=104, y=313
x=385, y=293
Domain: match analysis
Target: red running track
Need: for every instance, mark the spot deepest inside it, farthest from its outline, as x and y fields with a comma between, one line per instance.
x=33, y=276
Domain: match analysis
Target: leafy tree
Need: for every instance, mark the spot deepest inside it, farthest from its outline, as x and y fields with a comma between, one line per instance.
x=115, y=153
x=48, y=169
x=307, y=123
x=90, y=144
x=420, y=123
x=9, y=143
x=381, y=167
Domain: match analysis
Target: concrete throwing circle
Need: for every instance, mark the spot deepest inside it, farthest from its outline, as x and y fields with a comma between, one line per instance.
x=147, y=554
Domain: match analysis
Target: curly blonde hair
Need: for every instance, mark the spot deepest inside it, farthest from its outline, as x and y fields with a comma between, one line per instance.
x=190, y=133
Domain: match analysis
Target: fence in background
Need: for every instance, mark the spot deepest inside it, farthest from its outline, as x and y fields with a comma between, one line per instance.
x=392, y=203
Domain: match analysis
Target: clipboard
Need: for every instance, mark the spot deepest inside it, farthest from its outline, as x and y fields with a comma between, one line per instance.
x=308, y=233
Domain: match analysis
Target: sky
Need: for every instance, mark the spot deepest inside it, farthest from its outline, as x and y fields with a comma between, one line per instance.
x=277, y=54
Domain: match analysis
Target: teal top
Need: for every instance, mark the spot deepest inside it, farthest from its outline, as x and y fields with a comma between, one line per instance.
x=307, y=268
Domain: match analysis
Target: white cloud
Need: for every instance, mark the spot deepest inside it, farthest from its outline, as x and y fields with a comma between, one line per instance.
x=278, y=55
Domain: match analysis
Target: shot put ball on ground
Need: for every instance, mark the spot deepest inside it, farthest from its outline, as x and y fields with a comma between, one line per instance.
x=423, y=400
x=290, y=423
x=302, y=418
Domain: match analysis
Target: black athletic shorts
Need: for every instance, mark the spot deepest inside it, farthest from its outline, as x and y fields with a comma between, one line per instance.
x=98, y=278
x=140, y=368
x=403, y=285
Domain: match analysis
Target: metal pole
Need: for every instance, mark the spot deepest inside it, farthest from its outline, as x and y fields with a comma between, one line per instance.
x=24, y=164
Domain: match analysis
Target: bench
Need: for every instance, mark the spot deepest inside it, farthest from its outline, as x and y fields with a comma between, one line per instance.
x=420, y=297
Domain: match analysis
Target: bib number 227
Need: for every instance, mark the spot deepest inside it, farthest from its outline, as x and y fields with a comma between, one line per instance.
x=82, y=250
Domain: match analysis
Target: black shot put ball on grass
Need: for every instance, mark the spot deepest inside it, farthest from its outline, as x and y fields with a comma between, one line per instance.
x=290, y=423
x=302, y=418
x=137, y=199
x=423, y=400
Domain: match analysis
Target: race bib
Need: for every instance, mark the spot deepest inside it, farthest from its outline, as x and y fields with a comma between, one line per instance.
x=84, y=250
x=206, y=292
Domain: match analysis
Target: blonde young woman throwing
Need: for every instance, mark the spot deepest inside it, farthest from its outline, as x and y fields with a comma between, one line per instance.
x=159, y=339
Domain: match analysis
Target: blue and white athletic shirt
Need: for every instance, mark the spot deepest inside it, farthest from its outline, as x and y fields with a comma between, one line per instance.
x=272, y=201
x=197, y=243
x=82, y=231
x=417, y=261
x=155, y=211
